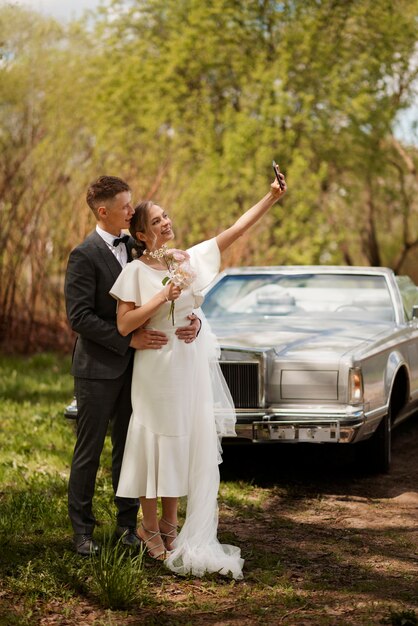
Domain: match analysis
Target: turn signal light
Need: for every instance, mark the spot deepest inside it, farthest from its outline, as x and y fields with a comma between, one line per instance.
x=355, y=385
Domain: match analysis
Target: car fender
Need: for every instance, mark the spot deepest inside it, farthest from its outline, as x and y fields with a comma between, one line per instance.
x=394, y=364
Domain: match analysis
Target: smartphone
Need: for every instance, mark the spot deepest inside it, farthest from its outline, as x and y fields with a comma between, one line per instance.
x=277, y=171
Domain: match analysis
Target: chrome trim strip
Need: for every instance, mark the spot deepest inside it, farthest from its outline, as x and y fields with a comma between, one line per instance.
x=260, y=432
x=301, y=414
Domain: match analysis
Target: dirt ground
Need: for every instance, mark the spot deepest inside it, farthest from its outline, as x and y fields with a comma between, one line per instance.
x=346, y=539
x=345, y=543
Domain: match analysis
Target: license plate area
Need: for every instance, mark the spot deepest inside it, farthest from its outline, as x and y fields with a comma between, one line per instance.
x=282, y=431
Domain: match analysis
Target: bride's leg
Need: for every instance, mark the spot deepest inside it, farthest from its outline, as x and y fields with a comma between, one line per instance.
x=168, y=521
x=149, y=531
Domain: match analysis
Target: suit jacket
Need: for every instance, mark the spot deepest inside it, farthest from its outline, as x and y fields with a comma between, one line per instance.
x=100, y=350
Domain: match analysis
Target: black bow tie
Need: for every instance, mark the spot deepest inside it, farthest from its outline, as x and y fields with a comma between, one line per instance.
x=119, y=240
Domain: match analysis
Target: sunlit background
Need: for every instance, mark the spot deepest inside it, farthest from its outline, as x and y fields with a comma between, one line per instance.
x=190, y=102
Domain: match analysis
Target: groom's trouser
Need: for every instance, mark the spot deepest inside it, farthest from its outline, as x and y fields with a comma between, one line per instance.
x=99, y=402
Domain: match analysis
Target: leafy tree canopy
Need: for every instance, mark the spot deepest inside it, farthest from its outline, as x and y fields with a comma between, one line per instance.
x=190, y=101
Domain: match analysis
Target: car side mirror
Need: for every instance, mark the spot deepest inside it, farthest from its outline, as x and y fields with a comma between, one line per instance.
x=415, y=311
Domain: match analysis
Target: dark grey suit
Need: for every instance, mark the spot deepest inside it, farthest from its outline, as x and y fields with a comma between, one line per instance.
x=102, y=369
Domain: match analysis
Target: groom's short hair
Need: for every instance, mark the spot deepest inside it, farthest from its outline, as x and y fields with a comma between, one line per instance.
x=104, y=188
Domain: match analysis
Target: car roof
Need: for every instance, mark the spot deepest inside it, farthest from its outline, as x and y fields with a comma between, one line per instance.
x=310, y=269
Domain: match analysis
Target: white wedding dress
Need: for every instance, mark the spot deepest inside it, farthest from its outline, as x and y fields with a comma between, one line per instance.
x=181, y=406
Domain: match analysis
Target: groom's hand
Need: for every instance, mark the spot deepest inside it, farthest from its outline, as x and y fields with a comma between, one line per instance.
x=148, y=339
x=190, y=332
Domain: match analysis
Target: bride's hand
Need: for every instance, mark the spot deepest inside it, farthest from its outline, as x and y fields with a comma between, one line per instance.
x=171, y=291
x=277, y=190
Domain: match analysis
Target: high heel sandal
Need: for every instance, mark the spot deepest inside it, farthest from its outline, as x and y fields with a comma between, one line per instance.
x=169, y=537
x=161, y=556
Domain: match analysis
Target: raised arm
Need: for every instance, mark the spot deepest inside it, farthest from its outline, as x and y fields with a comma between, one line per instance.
x=250, y=217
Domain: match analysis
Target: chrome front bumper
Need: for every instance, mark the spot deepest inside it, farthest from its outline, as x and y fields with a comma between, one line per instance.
x=294, y=426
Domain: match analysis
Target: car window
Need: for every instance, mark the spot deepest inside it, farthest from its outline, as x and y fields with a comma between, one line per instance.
x=409, y=294
x=349, y=295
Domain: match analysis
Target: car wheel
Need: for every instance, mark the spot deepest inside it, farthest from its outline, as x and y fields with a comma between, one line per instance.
x=379, y=448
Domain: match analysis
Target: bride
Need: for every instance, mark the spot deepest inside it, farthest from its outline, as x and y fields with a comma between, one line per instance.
x=181, y=404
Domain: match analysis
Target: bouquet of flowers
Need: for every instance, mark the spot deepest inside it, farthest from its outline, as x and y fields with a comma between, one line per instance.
x=180, y=272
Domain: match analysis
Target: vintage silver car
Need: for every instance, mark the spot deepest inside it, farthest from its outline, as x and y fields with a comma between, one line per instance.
x=318, y=354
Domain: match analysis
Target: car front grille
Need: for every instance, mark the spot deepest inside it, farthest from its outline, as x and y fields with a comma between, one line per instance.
x=243, y=380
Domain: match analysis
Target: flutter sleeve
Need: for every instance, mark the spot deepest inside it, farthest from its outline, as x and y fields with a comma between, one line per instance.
x=205, y=259
x=126, y=287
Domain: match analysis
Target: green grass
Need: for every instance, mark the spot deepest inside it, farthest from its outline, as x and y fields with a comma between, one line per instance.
x=38, y=563
x=118, y=575
x=244, y=498
x=34, y=438
x=276, y=528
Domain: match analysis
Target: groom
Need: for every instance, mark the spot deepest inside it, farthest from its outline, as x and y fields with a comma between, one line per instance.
x=102, y=358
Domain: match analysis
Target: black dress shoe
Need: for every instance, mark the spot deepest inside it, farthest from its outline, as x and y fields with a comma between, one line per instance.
x=85, y=545
x=129, y=536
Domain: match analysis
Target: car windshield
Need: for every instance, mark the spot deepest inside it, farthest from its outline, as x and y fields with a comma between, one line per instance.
x=349, y=295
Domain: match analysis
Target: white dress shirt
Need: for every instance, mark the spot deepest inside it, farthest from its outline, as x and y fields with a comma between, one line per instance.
x=119, y=251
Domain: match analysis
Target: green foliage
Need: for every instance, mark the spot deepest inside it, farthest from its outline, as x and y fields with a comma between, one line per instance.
x=43, y=146
x=118, y=577
x=210, y=93
x=190, y=101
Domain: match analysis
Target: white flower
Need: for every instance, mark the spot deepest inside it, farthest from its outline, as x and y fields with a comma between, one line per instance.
x=180, y=272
